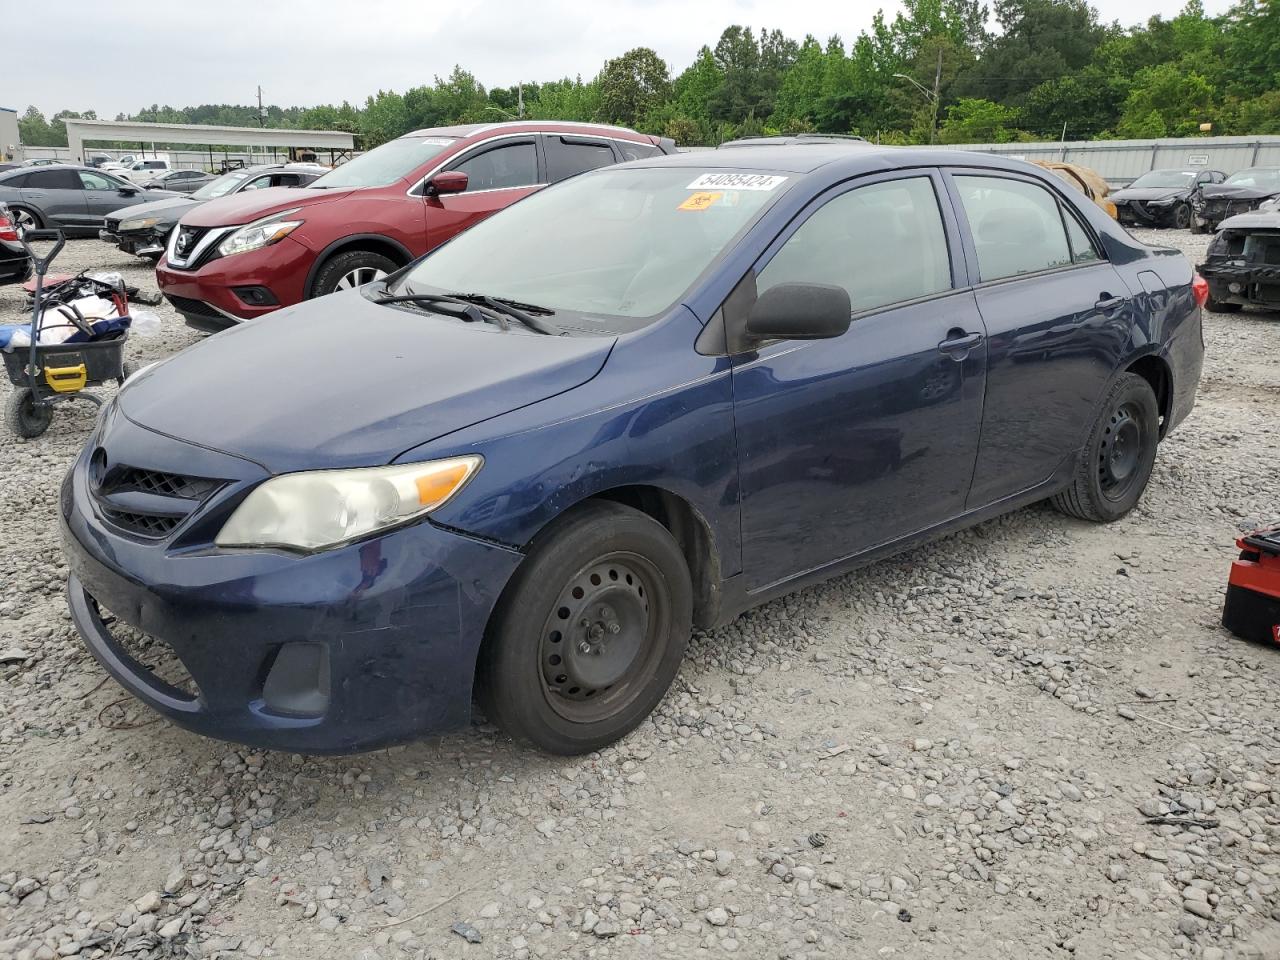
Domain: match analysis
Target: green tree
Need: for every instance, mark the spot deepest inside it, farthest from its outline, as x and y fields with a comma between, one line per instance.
x=980, y=121
x=1181, y=100
x=34, y=130
x=633, y=85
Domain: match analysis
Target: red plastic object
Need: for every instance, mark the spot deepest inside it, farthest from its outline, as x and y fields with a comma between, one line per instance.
x=1200, y=290
x=1252, y=610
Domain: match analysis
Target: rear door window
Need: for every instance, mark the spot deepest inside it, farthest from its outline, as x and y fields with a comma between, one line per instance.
x=53, y=180
x=501, y=167
x=95, y=181
x=568, y=156
x=1016, y=226
x=637, y=151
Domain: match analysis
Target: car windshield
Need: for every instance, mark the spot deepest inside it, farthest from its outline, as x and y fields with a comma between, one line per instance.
x=1265, y=178
x=625, y=243
x=1165, y=178
x=385, y=164
x=223, y=185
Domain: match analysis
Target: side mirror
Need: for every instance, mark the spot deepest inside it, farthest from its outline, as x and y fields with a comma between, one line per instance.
x=800, y=311
x=128, y=191
x=447, y=181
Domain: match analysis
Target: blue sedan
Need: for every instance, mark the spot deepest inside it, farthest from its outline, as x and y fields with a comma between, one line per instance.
x=524, y=468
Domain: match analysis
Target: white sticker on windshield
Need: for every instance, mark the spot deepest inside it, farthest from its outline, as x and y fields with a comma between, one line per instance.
x=437, y=141
x=736, y=181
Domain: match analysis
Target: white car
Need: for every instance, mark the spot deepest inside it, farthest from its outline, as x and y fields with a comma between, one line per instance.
x=142, y=170
x=124, y=163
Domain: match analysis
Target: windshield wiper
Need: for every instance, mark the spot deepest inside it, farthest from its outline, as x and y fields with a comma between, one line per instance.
x=512, y=308
x=469, y=312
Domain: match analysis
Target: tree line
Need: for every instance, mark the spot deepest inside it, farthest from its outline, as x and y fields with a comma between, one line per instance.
x=936, y=71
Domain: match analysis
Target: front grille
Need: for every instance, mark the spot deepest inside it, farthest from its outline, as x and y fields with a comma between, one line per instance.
x=196, y=308
x=151, y=654
x=146, y=503
x=152, y=526
x=164, y=484
x=187, y=238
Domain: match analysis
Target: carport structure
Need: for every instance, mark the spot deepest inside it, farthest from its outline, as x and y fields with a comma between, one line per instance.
x=335, y=142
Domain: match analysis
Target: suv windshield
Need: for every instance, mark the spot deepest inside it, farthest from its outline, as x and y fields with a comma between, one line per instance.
x=1262, y=177
x=1165, y=178
x=223, y=185
x=385, y=164
x=619, y=242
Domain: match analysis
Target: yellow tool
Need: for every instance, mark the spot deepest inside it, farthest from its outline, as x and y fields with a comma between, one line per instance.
x=66, y=379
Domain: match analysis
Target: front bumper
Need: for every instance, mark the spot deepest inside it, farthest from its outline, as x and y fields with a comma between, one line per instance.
x=140, y=243
x=206, y=296
x=1210, y=213
x=334, y=652
x=1140, y=213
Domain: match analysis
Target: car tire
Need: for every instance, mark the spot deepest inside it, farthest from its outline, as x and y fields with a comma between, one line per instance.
x=1182, y=218
x=350, y=269
x=25, y=218
x=1115, y=464
x=590, y=632
x=24, y=417
x=1222, y=306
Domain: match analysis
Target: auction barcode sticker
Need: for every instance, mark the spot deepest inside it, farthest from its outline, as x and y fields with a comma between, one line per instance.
x=736, y=181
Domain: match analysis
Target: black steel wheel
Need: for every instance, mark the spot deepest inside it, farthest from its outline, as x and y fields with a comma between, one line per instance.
x=26, y=417
x=590, y=633
x=1115, y=465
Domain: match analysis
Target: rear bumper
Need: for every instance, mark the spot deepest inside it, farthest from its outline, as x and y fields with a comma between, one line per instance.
x=335, y=652
x=206, y=297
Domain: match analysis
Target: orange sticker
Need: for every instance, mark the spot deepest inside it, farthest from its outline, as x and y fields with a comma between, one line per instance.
x=699, y=201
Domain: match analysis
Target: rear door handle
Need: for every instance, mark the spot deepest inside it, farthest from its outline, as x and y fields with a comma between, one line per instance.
x=1108, y=303
x=959, y=343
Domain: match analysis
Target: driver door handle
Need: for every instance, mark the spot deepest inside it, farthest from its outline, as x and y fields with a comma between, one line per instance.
x=959, y=343
x=1107, y=303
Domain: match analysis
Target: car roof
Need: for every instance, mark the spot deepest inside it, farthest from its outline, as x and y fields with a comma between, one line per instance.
x=868, y=158
x=799, y=139
x=463, y=130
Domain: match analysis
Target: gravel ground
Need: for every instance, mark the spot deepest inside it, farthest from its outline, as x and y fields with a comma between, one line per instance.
x=1027, y=740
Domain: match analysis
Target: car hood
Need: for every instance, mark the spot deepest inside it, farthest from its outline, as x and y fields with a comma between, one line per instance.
x=170, y=208
x=1231, y=191
x=250, y=205
x=1148, y=193
x=1253, y=220
x=343, y=382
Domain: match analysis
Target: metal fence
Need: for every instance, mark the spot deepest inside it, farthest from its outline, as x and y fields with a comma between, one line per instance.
x=178, y=159
x=1122, y=161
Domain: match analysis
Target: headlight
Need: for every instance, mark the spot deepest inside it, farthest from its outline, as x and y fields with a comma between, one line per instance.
x=142, y=223
x=326, y=508
x=259, y=234
x=1163, y=203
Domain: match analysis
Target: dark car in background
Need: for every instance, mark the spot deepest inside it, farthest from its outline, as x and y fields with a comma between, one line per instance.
x=71, y=198
x=15, y=265
x=1162, y=198
x=144, y=229
x=1241, y=192
x=243, y=256
x=633, y=404
x=1242, y=264
x=179, y=181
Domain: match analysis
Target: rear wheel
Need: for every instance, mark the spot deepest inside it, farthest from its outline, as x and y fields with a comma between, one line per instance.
x=127, y=370
x=26, y=219
x=24, y=416
x=590, y=633
x=349, y=270
x=1116, y=462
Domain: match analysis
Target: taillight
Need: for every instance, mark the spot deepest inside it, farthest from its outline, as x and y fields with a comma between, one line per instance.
x=1200, y=290
x=7, y=230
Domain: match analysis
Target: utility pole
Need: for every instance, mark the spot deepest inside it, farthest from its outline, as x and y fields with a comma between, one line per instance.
x=937, y=88
x=520, y=100
x=262, y=113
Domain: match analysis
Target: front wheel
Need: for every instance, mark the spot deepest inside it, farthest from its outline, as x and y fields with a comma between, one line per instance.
x=590, y=633
x=1116, y=462
x=25, y=417
x=1182, y=216
x=349, y=270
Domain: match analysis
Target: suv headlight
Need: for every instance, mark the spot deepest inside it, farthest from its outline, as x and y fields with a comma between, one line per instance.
x=260, y=233
x=326, y=508
x=142, y=223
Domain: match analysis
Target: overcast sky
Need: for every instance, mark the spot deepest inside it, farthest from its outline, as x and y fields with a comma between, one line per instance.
x=123, y=56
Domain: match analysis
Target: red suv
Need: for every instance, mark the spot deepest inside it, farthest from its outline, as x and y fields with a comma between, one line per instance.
x=239, y=257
